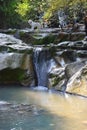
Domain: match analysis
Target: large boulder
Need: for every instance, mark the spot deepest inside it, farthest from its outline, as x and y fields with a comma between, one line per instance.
x=78, y=82
x=16, y=65
x=74, y=67
x=68, y=63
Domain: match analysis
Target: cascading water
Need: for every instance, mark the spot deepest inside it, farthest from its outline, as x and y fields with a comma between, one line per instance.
x=41, y=62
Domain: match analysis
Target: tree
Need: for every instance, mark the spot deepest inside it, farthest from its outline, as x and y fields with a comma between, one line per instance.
x=70, y=7
x=7, y=13
x=15, y=12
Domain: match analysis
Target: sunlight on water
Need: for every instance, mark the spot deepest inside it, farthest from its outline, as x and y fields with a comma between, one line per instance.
x=62, y=111
x=69, y=106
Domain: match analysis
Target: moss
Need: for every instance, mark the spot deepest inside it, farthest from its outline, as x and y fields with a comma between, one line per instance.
x=11, y=75
x=46, y=40
x=17, y=50
x=11, y=31
x=61, y=37
x=21, y=33
x=26, y=37
x=56, y=79
x=3, y=48
x=77, y=37
x=36, y=38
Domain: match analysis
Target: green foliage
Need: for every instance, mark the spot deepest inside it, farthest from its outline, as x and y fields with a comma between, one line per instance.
x=14, y=13
x=69, y=6
x=7, y=13
x=37, y=9
x=22, y=8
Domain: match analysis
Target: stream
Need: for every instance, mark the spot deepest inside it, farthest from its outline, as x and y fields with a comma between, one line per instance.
x=50, y=110
x=41, y=69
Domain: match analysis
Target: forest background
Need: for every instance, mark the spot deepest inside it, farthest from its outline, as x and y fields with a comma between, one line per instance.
x=16, y=13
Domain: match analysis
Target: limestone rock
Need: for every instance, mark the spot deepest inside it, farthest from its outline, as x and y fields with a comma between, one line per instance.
x=74, y=67
x=71, y=36
x=80, y=44
x=57, y=79
x=78, y=82
x=16, y=64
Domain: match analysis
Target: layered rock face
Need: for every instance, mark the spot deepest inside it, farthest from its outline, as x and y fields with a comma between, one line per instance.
x=59, y=65
x=16, y=64
x=70, y=74
x=45, y=36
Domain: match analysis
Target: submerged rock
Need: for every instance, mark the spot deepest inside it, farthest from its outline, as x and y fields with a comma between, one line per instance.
x=10, y=109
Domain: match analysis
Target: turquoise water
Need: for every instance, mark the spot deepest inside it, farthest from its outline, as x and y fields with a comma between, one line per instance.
x=51, y=111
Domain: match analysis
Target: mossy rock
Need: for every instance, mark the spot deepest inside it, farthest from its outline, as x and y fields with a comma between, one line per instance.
x=36, y=39
x=9, y=31
x=15, y=76
x=64, y=36
x=8, y=76
x=46, y=40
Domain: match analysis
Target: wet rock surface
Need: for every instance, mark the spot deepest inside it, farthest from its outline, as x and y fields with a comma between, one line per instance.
x=78, y=82
x=72, y=68
x=67, y=50
x=16, y=64
x=45, y=36
x=57, y=79
x=10, y=44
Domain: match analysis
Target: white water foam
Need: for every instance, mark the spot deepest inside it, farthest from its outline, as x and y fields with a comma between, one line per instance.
x=40, y=88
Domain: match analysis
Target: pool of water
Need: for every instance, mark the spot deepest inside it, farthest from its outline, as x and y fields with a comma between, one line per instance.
x=57, y=111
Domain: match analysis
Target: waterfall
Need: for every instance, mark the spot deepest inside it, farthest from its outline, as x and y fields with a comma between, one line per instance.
x=41, y=63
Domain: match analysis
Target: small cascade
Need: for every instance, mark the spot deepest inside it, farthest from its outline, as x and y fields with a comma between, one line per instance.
x=41, y=62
